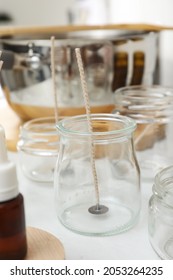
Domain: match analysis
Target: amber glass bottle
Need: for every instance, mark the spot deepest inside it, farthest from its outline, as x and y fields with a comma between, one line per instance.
x=13, y=243
x=120, y=70
x=138, y=68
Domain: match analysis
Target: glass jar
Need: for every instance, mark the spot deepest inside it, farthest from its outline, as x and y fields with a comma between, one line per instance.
x=38, y=147
x=117, y=175
x=160, y=218
x=152, y=108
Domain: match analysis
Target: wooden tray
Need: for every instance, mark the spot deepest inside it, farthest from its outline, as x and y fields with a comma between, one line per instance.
x=43, y=246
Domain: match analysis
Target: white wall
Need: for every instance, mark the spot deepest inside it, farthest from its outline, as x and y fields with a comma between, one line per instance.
x=148, y=11
x=90, y=12
x=48, y=12
x=38, y=12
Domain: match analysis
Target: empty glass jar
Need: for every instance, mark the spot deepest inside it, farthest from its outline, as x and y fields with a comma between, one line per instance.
x=160, y=218
x=152, y=108
x=38, y=147
x=117, y=174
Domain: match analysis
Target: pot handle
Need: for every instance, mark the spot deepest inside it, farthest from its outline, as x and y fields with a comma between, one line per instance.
x=10, y=60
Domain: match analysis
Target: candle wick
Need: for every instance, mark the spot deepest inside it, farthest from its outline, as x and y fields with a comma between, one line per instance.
x=97, y=209
x=53, y=77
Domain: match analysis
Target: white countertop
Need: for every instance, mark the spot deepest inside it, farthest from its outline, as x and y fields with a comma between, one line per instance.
x=40, y=212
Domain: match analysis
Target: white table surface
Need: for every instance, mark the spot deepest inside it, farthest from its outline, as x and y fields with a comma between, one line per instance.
x=40, y=212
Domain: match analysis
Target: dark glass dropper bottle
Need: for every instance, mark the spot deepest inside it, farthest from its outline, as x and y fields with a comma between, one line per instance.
x=13, y=243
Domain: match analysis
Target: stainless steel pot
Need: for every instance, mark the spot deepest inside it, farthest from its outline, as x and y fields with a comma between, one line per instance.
x=26, y=73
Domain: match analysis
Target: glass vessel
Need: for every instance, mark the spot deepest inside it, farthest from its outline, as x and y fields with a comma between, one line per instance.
x=27, y=77
x=117, y=174
x=160, y=218
x=38, y=147
x=152, y=108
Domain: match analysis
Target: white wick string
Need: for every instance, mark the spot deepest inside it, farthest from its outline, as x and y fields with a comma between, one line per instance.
x=53, y=77
x=1, y=62
x=88, y=114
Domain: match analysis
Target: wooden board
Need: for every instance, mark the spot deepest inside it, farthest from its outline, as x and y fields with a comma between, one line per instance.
x=43, y=246
x=31, y=30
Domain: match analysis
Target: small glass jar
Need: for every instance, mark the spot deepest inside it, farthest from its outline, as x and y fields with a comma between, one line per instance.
x=117, y=175
x=152, y=108
x=38, y=147
x=160, y=218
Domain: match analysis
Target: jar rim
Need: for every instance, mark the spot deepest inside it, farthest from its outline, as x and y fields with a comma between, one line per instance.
x=145, y=103
x=144, y=87
x=154, y=92
x=41, y=119
x=129, y=125
x=36, y=126
x=159, y=176
x=163, y=183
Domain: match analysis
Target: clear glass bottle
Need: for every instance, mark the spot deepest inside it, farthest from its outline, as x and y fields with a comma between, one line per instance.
x=38, y=147
x=117, y=173
x=152, y=109
x=160, y=218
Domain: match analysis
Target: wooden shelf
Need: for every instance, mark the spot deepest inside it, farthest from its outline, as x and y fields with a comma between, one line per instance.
x=32, y=30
